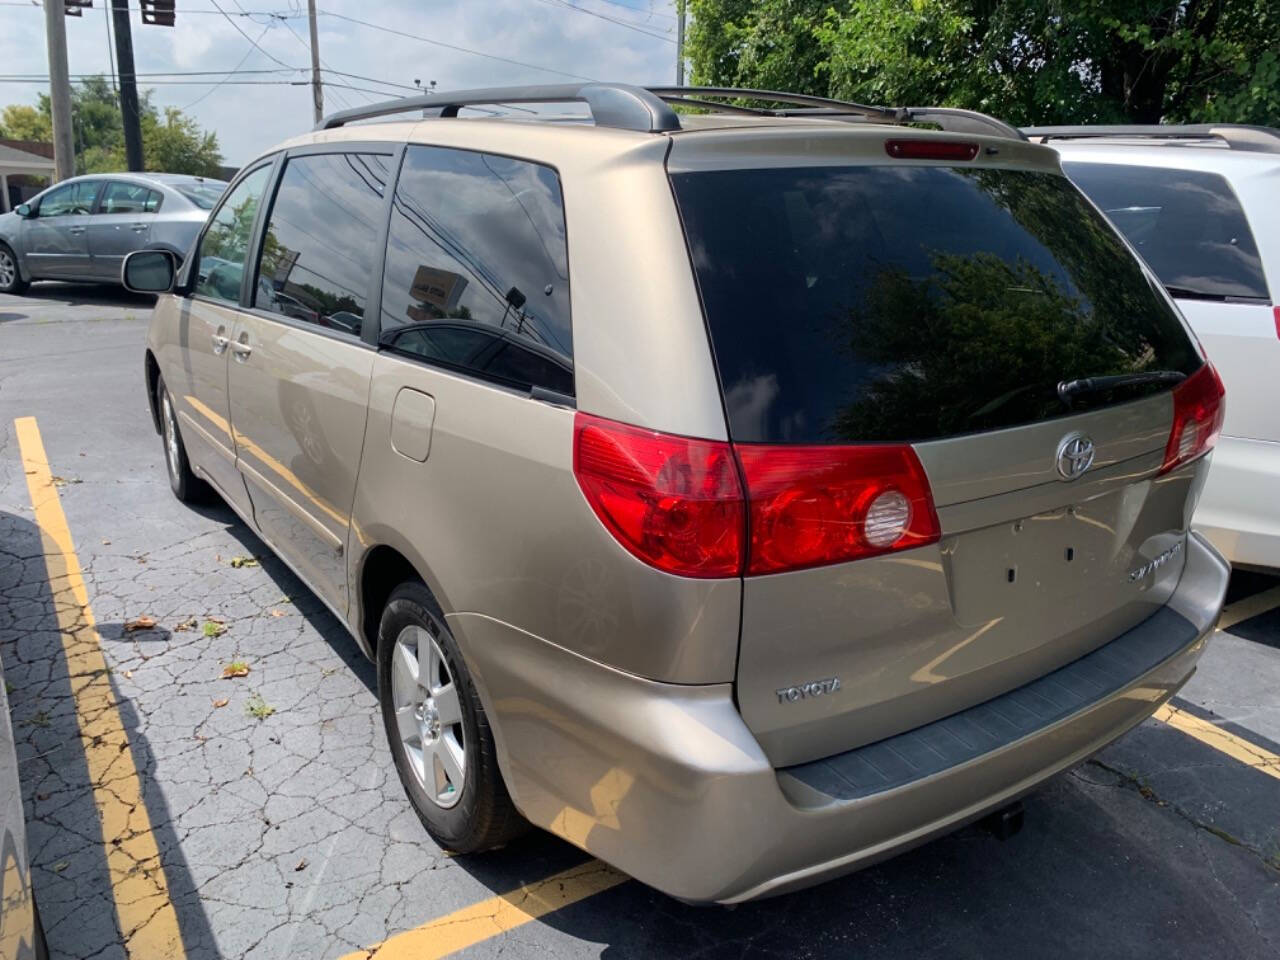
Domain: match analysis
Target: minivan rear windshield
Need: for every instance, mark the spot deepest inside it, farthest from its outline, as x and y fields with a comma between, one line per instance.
x=1187, y=224
x=908, y=303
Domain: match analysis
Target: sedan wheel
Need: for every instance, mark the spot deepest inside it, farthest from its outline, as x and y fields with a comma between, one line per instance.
x=10, y=279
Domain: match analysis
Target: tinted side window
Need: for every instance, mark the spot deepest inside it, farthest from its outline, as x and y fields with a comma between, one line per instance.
x=226, y=240
x=322, y=234
x=121, y=197
x=477, y=246
x=1187, y=224
x=74, y=198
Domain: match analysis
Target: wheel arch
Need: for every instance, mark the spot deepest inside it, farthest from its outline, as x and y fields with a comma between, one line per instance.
x=388, y=562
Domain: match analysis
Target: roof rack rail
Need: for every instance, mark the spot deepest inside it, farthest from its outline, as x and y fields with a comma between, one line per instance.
x=1237, y=136
x=612, y=104
x=648, y=109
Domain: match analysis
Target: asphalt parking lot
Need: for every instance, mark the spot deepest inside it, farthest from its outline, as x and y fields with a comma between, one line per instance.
x=174, y=813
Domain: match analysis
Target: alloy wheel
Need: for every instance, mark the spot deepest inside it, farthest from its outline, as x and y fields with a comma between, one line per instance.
x=428, y=715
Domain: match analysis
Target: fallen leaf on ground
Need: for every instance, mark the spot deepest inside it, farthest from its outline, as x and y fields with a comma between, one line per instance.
x=285, y=599
x=238, y=562
x=220, y=702
x=128, y=674
x=140, y=623
x=214, y=619
x=60, y=866
x=106, y=543
x=186, y=625
x=214, y=629
x=277, y=613
x=302, y=865
x=237, y=668
x=63, y=481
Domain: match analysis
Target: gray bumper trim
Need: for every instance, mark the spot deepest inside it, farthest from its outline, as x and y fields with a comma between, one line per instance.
x=989, y=726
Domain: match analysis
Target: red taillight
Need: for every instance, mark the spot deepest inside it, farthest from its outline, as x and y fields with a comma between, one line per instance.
x=677, y=503
x=817, y=505
x=1198, y=409
x=1276, y=311
x=930, y=149
x=674, y=502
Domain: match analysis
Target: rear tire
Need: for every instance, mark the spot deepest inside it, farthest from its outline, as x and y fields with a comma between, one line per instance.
x=10, y=276
x=186, y=486
x=436, y=727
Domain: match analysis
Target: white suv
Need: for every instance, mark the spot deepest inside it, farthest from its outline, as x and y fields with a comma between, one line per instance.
x=1199, y=203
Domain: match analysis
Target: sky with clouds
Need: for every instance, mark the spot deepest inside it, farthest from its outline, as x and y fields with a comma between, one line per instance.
x=567, y=37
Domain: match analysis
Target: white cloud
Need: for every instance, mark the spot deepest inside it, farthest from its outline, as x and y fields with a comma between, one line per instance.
x=249, y=118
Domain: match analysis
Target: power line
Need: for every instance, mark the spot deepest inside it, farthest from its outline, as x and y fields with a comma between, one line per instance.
x=650, y=12
x=451, y=46
x=294, y=33
x=600, y=16
x=246, y=36
x=247, y=54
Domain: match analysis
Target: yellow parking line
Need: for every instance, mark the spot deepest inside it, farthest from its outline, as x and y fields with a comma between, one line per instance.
x=488, y=918
x=1221, y=740
x=144, y=911
x=1242, y=610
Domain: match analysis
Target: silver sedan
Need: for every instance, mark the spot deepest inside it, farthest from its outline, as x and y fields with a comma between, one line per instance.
x=81, y=229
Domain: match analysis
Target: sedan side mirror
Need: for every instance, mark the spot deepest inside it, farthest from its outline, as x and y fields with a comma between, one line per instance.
x=24, y=211
x=149, y=271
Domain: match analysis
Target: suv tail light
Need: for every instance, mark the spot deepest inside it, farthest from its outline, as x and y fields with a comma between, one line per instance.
x=674, y=502
x=677, y=503
x=817, y=504
x=1198, y=409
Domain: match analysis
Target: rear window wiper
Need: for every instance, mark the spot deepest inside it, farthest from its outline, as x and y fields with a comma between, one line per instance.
x=1190, y=293
x=1074, y=388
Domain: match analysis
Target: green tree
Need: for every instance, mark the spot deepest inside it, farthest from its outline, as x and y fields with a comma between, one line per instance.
x=21, y=122
x=1029, y=61
x=171, y=141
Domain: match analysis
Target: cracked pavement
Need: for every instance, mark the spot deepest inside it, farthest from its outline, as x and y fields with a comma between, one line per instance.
x=287, y=835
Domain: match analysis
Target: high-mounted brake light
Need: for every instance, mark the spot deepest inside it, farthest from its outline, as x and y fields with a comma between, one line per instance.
x=814, y=505
x=931, y=149
x=1198, y=408
x=678, y=505
x=674, y=502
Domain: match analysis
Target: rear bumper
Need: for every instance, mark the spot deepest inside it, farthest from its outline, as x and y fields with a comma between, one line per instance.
x=667, y=783
x=1237, y=510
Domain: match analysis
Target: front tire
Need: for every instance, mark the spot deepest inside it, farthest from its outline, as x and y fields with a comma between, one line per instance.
x=10, y=276
x=436, y=726
x=186, y=486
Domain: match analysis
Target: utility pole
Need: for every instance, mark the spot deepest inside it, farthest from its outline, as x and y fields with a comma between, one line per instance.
x=680, y=43
x=128, y=85
x=317, y=91
x=55, y=28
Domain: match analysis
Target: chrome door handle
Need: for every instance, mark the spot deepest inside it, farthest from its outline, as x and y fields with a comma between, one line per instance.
x=139, y=228
x=220, y=344
x=75, y=230
x=241, y=350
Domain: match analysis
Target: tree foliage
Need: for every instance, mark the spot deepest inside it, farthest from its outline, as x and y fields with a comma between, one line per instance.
x=1029, y=61
x=171, y=141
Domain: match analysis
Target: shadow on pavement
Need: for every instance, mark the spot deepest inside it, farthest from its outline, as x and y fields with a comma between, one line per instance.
x=86, y=294
x=69, y=867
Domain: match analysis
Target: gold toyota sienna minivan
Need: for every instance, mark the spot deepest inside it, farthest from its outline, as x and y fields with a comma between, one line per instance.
x=742, y=494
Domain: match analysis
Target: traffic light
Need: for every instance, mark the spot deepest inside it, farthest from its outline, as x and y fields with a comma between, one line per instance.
x=157, y=12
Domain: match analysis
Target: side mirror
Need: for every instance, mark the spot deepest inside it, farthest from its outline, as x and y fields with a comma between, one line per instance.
x=24, y=211
x=149, y=271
